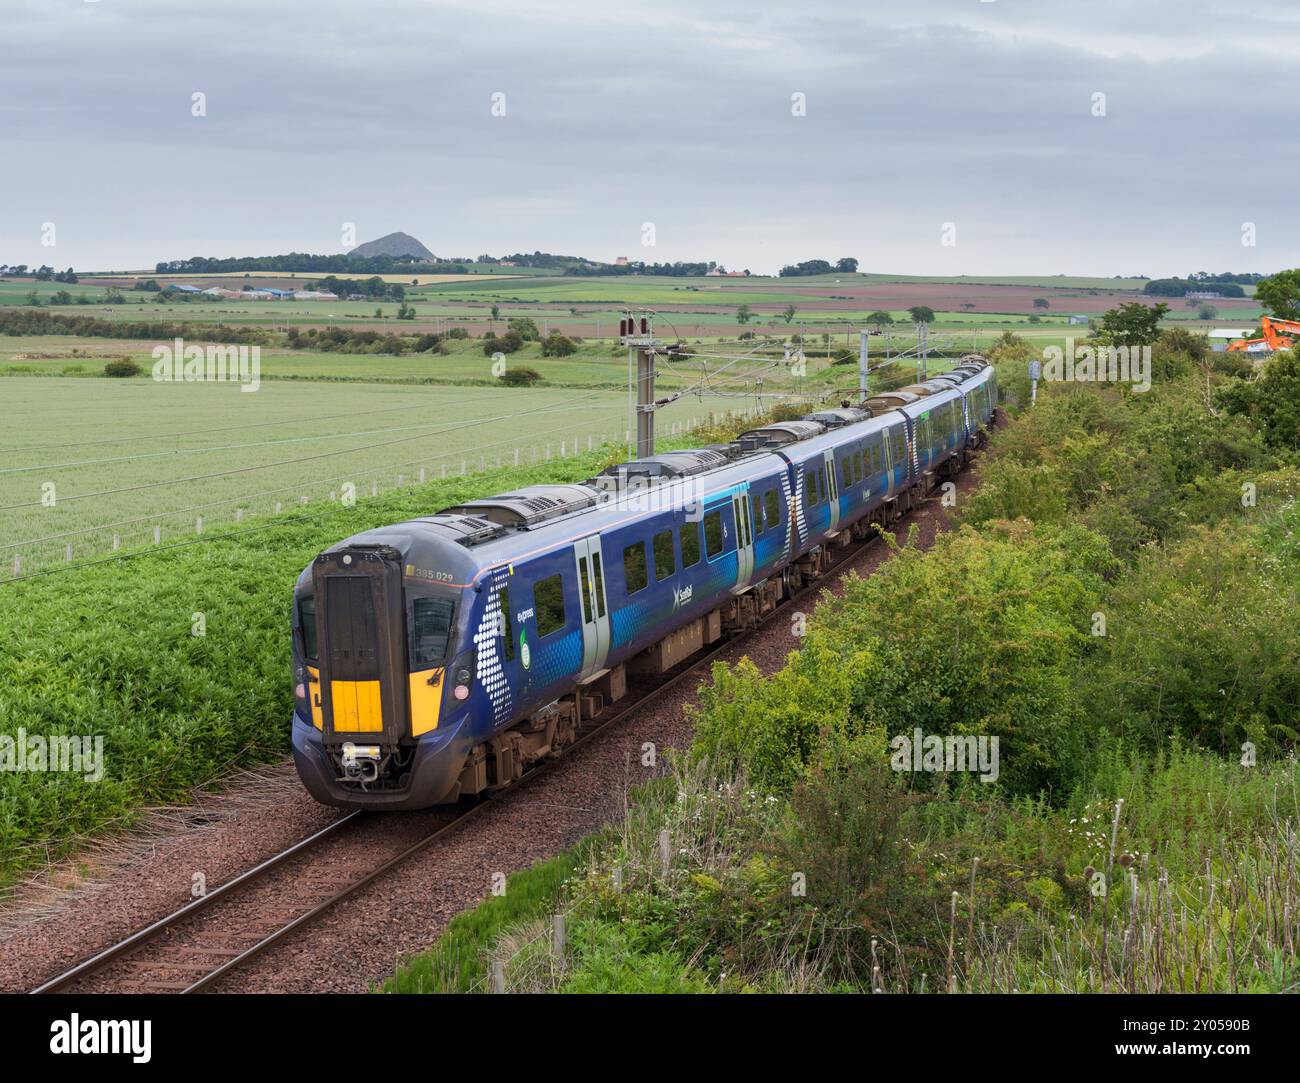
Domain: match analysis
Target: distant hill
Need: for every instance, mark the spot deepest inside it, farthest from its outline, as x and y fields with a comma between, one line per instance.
x=395, y=245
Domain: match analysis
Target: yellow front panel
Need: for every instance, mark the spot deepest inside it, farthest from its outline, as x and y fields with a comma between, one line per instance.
x=313, y=698
x=426, y=701
x=357, y=707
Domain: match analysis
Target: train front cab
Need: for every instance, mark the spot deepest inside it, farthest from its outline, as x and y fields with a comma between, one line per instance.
x=378, y=683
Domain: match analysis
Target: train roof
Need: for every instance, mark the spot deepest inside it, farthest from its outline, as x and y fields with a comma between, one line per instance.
x=457, y=545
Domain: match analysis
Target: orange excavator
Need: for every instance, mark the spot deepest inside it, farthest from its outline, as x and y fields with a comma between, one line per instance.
x=1278, y=335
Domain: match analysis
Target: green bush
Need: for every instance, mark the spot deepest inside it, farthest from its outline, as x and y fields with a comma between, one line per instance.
x=981, y=636
x=122, y=367
x=520, y=377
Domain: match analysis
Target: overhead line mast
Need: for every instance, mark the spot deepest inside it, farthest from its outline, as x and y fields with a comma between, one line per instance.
x=636, y=332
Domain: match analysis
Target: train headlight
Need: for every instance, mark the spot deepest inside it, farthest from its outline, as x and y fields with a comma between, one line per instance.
x=461, y=691
x=300, y=691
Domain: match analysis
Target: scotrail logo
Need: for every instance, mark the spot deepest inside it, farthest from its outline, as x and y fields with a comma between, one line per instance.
x=1099, y=364
x=956, y=752
x=682, y=596
x=177, y=363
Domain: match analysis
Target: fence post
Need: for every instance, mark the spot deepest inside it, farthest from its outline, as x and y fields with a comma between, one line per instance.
x=198, y=525
x=666, y=850
x=67, y=552
x=498, y=976
x=557, y=939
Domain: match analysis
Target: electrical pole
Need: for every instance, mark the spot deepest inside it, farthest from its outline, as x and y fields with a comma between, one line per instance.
x=637, y=333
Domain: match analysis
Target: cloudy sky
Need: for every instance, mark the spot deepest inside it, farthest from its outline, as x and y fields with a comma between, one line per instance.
x=680, y=113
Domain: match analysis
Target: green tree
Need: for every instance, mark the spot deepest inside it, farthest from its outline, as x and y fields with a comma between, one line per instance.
x=1280, y=295
x=1272, y=402
x=789, y=313
x=1042, y=302
x=1207, y=312
x=558, y=345
x=921, y=314
x=1132, y=324
x=526, y=328
x=880, y=319
x=743, y=314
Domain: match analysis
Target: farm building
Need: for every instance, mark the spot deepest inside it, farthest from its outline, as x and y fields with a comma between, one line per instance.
x=1221, y=336
x=1076, y=319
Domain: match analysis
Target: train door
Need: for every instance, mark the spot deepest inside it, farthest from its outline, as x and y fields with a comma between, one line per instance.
x=362, y=644
x=832, y=489
x=591, y=595
x=744, y=538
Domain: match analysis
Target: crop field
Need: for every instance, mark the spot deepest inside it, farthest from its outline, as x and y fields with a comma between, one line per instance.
x=91, y=466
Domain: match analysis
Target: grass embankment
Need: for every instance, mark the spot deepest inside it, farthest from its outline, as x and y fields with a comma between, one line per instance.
x=1121, y=610
x=110, y=650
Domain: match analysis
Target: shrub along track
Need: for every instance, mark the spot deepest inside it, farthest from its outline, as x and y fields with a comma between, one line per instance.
x=335, y=913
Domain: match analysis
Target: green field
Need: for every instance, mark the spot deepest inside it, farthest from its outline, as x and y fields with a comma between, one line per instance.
x=127, y=456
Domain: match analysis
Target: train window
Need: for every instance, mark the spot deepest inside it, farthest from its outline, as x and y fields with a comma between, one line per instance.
x=810, y=488
x=864, y=463
x=548, y=602
x=584, y=590
x=600, y=584
x=822, y=488
x=713, y=533
x=846, y=471
x=773, y=508
x=900, y=444
x=635, y=573
x=507, y=640
x=307, y=615
x=690, y=536
x=756, y=506
x=430, y=630
x=665, y=564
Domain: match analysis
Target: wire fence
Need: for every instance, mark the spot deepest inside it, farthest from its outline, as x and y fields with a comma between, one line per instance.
x=191, y=521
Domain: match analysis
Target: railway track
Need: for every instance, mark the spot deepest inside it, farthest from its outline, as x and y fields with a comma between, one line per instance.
x=194, y=947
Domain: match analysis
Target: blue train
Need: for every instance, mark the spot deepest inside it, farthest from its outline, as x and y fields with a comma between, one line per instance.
x=443, y=656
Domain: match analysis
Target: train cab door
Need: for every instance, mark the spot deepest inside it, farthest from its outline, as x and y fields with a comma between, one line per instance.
x=361, y=633
x=832, y=490
x=744, y=538
x=592, y=603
